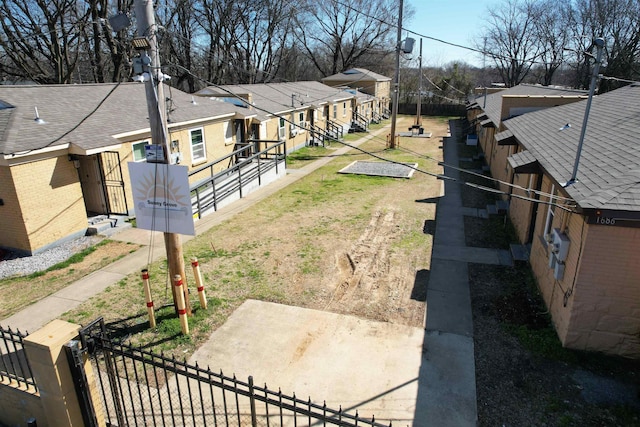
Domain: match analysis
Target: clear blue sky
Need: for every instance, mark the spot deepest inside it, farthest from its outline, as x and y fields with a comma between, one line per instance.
x=455, y=21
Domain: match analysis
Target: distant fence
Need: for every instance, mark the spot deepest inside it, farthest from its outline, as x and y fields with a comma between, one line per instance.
x=456, y=110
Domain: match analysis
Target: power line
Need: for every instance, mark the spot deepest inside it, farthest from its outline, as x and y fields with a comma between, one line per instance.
x=436, y=175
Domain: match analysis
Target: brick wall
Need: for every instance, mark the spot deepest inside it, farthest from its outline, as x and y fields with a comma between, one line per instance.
x=12, y=233
x=19, y=405
x=486, y=141
x=499, y=165
x=606, y=299
x=521, y=211
x=596, y=305
x=50, y=199
x=514, y=105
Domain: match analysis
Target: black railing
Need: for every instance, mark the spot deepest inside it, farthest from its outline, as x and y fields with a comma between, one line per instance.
x=139, y=387
x=245, y=166
x=322, y=136
x=334, y=130
x=359, y=123
x=14, y=365
x=376, y=117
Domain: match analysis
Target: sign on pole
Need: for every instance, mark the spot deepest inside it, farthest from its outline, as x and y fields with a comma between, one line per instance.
x=161, y=197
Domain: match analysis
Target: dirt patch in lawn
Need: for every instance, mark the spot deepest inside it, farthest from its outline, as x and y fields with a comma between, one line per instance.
x=350, y=244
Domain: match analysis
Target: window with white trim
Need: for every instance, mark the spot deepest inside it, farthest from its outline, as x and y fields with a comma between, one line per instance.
x=344, y=109
x=198, y=150
x=335, y=111
x=282, y=129
x=139, y=154
x=301, y=122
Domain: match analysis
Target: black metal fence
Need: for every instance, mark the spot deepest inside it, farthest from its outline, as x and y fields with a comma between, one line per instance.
x=247, y=166
x=140, y=388
x=14, y=365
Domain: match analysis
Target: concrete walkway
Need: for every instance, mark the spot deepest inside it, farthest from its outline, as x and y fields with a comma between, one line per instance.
x=445, y=385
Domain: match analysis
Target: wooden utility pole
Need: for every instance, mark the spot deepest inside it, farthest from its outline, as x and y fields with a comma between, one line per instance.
x=419, y=105
x=146, y=26
x=396, y=81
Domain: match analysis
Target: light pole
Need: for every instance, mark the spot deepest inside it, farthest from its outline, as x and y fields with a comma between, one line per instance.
x=599, y=44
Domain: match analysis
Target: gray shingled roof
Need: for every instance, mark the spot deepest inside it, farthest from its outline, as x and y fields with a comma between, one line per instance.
x=276, y=98
x=609, y=169
x=63, y=108
x=493, y=106
x=355, y=75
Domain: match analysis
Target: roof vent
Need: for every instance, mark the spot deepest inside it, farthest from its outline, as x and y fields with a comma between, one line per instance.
x=37, y=119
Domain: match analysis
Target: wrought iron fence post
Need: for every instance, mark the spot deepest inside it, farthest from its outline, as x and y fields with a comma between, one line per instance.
x=76, y=364
x=252, y=400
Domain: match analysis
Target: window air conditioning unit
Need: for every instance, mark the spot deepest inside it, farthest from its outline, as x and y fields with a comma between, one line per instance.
x=293, y=130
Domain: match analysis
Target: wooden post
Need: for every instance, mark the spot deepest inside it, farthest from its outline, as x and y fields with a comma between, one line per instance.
x=396, y=81
x=182, y=313
x=147, y=294
x=198, y=275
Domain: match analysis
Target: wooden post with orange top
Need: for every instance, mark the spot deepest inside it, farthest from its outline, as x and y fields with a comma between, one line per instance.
x=182, y=312
x=198, y=275
x=147, y=294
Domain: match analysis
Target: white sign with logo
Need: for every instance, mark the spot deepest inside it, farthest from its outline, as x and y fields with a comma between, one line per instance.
x=162, y=198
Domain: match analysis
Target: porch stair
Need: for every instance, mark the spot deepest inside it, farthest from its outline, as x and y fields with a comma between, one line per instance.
x=520, y=253
x=106, y=225
x=499, y=208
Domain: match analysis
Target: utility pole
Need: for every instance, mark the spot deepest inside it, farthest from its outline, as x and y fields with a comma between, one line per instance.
x=146, y=26
x=396, y=81
x=419, y=106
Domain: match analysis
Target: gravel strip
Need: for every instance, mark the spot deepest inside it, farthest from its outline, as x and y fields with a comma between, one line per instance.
x=13, y=265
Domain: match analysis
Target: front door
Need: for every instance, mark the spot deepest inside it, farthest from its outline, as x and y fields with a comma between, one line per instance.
x=92, y=184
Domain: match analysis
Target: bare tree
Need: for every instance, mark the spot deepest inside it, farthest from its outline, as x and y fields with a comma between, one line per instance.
x=178, y=20
x=616, y=21
x=511, y=39
x=107, y=53
x=40, y=39
x=265, y=38
x=221, y=20
x=552, y=32
x=336, y=36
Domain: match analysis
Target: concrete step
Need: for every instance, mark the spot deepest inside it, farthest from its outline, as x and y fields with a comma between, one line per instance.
x=519, y=253
x=107, y=225
x=502, y=206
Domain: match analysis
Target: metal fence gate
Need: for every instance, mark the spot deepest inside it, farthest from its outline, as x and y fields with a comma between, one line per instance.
x=140, y=388
x=111, y=170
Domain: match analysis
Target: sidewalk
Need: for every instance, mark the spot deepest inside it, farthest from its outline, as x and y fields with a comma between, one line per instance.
x=52, y=307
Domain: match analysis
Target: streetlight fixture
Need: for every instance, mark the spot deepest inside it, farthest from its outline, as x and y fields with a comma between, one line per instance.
x=140, y=43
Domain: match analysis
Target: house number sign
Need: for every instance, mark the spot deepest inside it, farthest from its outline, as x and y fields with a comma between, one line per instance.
x=613, y=222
